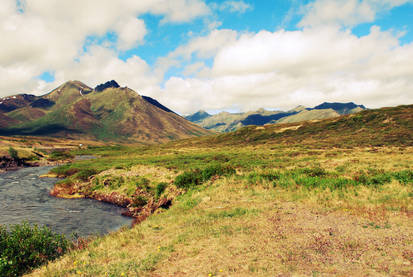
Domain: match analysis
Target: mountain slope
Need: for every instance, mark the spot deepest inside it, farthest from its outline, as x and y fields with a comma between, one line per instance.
x=385, y=126
x=341, y=108
x=226, y=122
x=198, y=116
x=75, y=110
x=305, y=115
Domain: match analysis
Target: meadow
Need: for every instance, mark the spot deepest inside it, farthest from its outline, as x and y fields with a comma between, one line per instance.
x=331, y=197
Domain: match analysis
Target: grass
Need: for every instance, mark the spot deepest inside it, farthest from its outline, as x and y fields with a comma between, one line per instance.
x=273, y=215
x=322, y=199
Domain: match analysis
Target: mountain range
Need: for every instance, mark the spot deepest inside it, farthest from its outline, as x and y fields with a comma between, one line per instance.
x=107, y=112
x=227, y=122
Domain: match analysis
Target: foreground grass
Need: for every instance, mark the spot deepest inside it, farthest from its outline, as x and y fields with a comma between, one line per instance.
x=280, y=213
x=230, y=229
x=332, y=197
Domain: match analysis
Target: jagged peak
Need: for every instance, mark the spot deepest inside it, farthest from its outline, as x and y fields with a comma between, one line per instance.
x=109, y=84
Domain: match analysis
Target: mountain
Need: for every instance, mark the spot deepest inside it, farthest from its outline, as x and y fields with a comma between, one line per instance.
x=341, y=108
x=108, y=112
x=226, y=122
x=156, y=103
x=198, y=116
x=305, y=115
x=385, y=126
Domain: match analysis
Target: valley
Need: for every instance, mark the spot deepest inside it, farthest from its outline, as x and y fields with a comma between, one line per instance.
x=328, y=197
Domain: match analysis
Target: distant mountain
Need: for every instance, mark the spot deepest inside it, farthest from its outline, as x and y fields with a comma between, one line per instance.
x=226, y=122
x=107, y=112
x=198, y=116
x=306, y=115
x=341, y=108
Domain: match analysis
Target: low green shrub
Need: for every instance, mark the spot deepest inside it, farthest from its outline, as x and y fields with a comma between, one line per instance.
x=315, y=172
x=257, y=178
x=60, y=155
x=84, y=174
x=25, y=247
x=160, y=188
x=64, y=170
x=139, y=201
x=198, y=176
x=404, y=177
x=13, y=153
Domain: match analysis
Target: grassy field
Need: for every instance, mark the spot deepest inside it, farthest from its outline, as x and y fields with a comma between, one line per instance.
x=263, y=201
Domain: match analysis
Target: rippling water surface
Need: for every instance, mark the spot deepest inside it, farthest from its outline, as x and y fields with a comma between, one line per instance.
x=25, y=197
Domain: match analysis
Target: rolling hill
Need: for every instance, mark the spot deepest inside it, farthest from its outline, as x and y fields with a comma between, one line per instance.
x=330, y=196
x=108, y=112
x=227, y=122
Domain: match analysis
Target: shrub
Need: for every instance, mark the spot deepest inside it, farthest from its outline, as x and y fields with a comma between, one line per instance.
x=13, y=153
x=160, y=188
x=404, y=177
x=84, y=174
x=315, y=172
x=60, y=155
x=23, y=248
x=139, y=201
x=64, y=170
x=197, y=176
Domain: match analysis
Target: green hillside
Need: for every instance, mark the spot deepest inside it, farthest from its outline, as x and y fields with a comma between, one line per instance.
x=76, y=111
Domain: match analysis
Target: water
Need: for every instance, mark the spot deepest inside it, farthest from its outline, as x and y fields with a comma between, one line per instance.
x=25, y=197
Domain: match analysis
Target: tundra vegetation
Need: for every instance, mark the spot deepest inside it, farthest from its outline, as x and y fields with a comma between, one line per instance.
x=311, y=198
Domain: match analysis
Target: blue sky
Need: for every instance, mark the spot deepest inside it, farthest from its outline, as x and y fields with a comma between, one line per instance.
x=267, y=15
x=214, y=55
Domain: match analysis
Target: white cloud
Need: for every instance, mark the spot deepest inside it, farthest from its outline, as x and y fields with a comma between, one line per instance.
x=251, y=70
x=49, y=34
x=101, y=64
x=234, y=6
x=131, y=31
x=203, y=47
x=283, y=69
x=345, y=12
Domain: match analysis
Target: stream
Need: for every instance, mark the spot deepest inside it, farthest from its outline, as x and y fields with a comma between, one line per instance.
x=24, y=197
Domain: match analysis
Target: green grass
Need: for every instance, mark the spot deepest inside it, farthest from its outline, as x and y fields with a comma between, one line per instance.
x=262, y=202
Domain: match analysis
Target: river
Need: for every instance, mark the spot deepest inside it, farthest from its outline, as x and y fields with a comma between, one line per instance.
x=25, y=197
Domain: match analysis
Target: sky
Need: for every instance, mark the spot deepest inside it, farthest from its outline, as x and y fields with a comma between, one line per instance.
x=233, y=55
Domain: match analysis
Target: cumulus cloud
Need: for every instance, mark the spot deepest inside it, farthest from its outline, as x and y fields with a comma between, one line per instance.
x=345, y=12
x=223, y=69
x=103, y=64
x=130, y=32
x=285, y=68
x=203, y=47
x=43, y=35
x=233, y=6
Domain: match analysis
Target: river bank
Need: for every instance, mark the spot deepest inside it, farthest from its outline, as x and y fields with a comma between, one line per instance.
x=24, y=197
x=138, y=206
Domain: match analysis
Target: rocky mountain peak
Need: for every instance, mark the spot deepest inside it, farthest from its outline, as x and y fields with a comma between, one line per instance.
x=109, y=84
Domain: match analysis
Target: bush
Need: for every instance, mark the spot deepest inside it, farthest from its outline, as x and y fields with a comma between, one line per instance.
x=258, y=178
x=197, y=176
x=13, y=153
x=60, y=155
x=315, y=172
x=84, y=174
x=404, y=177
x=160, y=188
x=23, y=248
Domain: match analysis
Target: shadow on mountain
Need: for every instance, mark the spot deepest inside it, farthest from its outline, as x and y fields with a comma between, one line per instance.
x=52, y=129
x=259, y=119
x=156, y=104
